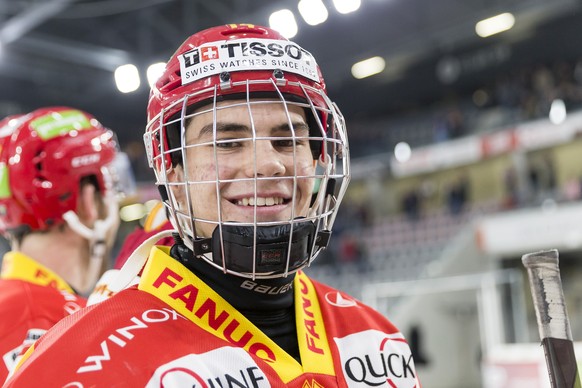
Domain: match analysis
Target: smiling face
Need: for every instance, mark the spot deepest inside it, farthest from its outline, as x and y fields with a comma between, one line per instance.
x=242, y=165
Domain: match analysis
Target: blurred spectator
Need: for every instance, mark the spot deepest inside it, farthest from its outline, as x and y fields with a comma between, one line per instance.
x=440, y=130
x=353, y=253
x=457, y=194
x=542, y=177
x=506, y=91
x=543, y=88
x=449, y=126
x=411, y=204
x=511, y=199
x=534, y=179
x=364, y=215
x=455, y=123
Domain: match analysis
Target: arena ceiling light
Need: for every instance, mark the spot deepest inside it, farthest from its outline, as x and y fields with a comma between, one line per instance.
x=313, y=11
x=284, y=22
x=154, y=71
x=368, y=67
x=495, y=25
x=346, y=6
x=402, y=152
x=558, y=112
x=127, y=78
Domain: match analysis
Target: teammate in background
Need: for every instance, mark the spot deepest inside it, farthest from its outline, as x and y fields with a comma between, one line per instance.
x=254, y=159
x=59, y=214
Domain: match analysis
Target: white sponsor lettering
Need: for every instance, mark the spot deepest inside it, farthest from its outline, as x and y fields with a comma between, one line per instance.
x=246, y=54
x=71, y=305
x=85, y=160
x=93, y=363
x=124, y=334
x=12, y=357
x=226, y=367
x=265, y=289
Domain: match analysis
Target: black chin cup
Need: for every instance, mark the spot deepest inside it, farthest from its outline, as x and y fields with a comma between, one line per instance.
x=272, y=247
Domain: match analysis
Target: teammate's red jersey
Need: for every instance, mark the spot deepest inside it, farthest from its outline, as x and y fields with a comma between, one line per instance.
x=173, y=330
x=32, y=300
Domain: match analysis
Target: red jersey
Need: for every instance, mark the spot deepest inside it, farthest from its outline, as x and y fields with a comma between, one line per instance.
x=32, y=300
x=173, y=330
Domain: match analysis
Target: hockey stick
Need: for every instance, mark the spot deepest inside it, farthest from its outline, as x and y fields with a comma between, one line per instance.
x=552, y=317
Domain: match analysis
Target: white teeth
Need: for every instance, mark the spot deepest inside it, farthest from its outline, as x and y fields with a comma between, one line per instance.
x=261, y=201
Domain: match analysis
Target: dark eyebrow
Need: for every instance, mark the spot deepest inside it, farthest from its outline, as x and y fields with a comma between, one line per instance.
x=297, y=126
x=233, y=127
x=223, y=128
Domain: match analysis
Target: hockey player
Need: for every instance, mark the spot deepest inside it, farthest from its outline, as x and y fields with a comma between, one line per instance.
x=59, y=215
x=254, y=159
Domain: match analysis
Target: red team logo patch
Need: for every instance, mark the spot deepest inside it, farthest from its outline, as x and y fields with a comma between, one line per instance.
x=337, y=300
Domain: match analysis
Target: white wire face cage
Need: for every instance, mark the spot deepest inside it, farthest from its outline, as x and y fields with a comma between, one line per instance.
x=254, y=182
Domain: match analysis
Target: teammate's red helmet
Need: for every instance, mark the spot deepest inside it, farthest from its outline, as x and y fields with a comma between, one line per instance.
x=42, y=162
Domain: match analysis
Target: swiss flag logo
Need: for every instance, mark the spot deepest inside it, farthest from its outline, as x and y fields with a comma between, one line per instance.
x=210, y=52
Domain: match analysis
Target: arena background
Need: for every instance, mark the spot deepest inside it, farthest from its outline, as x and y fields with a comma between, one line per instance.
x=466, y=151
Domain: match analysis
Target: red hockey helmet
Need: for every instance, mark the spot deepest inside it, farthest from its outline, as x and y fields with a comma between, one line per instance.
x=230, y=61
x=42, y=161
x=245, y=62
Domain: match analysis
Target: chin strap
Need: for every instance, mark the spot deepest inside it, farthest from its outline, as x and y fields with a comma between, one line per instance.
x=96, y=237
x=136, y=261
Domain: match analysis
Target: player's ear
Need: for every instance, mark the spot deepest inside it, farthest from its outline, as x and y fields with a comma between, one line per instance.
x=176, y=174
x=87, y=206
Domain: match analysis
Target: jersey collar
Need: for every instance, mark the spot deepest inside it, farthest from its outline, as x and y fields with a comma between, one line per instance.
x=170, y=281
x=16, y=265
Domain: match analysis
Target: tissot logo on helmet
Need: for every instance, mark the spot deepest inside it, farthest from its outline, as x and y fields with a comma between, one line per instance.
x=246, y=54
